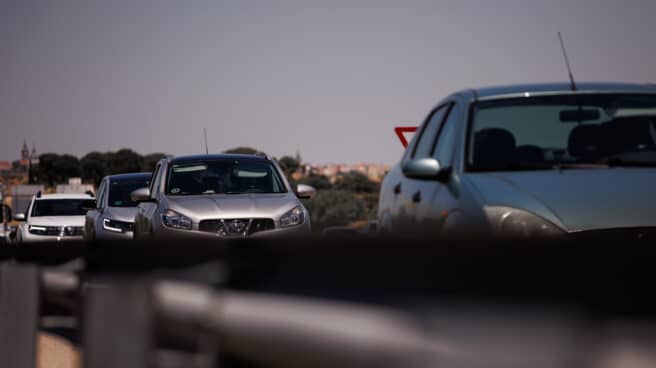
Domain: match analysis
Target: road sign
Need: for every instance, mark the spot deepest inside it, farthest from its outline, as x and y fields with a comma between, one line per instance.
x=400, y=131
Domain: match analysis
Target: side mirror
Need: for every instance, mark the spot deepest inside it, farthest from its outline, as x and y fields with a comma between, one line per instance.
x=19, y=217
x=305, y=191
x=426, y=169
x=140, y=195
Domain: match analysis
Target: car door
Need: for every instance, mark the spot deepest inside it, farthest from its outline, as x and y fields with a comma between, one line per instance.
x=146, y=211
x=441, y=197
x=411, y=192
x=94, y=216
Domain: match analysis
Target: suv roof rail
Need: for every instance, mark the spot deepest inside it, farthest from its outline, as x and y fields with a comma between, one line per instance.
x=89, y=193
x=38, y=194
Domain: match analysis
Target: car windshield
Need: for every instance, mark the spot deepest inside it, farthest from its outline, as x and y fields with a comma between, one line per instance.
x=571, y=130
x=61, y=207
x=224, y=177
x=120, y=190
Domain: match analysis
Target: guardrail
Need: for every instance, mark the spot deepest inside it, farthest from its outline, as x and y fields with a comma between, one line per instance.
x=335, y=304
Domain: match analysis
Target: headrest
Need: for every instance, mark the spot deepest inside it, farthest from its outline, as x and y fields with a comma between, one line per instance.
x=494, y=147
x=530, y=154
x=584, y=140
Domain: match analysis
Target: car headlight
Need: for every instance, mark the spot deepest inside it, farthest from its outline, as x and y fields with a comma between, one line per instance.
x=295, y=216
x=175, y=220
x=37, y=230
x=117, y=226
x=516, y=223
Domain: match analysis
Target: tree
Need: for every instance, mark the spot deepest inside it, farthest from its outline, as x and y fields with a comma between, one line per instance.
x=335, y=208
x=124, y=161
x=289, y=165
x=245, y=151
x=319, y=182
x=93, y=166
x=150, y=160
x=356, y=182
x=56, y=169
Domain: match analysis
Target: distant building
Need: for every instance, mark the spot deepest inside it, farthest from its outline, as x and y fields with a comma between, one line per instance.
x=17, y=172
x=74, y=186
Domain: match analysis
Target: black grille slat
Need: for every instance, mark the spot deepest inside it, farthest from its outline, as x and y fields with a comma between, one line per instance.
x=217, y=226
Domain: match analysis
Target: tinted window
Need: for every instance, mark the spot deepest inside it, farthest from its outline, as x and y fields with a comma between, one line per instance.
x=101, y=194
x=155, y=181
x=543, y=131
x=61, y=207
x=447, y=137
x=224, y=176
x=120, y=191
x=428, y=133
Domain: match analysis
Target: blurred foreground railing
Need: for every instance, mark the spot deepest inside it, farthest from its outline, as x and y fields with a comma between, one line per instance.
x=340, y=304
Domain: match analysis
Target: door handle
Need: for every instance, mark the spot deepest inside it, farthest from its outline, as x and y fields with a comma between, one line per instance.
x=416, y=197
x=397, y=188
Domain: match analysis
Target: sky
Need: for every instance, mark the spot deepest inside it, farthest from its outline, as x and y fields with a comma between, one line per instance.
x=329, y=79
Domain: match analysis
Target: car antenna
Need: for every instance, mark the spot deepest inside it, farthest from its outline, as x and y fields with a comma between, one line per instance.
x=207, y=151
x=569, y=69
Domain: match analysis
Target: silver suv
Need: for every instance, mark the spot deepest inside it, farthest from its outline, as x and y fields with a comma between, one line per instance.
x=113, y=216
x=54, y=217
x=220, y=196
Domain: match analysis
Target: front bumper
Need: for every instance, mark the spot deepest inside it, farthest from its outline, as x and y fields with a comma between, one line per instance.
x=31, y=238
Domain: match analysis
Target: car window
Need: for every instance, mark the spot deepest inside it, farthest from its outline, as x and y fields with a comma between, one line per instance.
x=224, y=177
x=61, y=207
x=155, y=181
x=446, y=140
x=544, y=132
x=101, y=193
x=428, y=133
x=119, y=191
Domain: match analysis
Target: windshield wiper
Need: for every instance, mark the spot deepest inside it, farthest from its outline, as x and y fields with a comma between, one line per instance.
x=576, y=166
x=618, y=162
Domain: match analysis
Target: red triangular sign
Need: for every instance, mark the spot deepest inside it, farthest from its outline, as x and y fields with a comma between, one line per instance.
x=400, y=133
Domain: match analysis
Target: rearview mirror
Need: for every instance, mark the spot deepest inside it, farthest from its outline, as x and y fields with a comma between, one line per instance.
x=140, y=195
x=19, y=217
x=426, y=169
x=305, y=191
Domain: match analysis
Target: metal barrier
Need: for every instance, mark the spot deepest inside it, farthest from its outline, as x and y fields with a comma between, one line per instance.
x=297, y=310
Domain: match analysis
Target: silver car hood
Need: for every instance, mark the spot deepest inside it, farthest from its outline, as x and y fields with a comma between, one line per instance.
x=576, y=199
x=217, y=206
x=125, y=214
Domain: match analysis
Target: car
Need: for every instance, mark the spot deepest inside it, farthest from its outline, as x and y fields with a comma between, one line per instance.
x=5, y=229
x=54, y=217
x=113, y=216
x=543, y=160
x=220, y=195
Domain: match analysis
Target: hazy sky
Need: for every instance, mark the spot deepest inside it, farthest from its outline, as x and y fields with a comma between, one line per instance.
x=328, y=78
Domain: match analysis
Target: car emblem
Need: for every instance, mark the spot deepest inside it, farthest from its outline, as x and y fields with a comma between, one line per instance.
x=237, y=226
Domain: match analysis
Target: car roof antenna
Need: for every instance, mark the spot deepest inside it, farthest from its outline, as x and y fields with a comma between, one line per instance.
x=569, y=69
x=207, y=151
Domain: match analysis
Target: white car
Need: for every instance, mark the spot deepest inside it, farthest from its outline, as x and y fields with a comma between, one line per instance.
x=54, y=217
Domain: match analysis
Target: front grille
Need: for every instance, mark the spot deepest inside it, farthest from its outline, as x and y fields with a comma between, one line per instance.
x=57, y=230
x=627, y=233
x=236, y=227
x=73, y=231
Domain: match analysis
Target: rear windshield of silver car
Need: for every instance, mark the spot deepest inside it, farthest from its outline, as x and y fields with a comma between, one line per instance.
x=61, y=207
x=224, y=177
x=594, y=130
